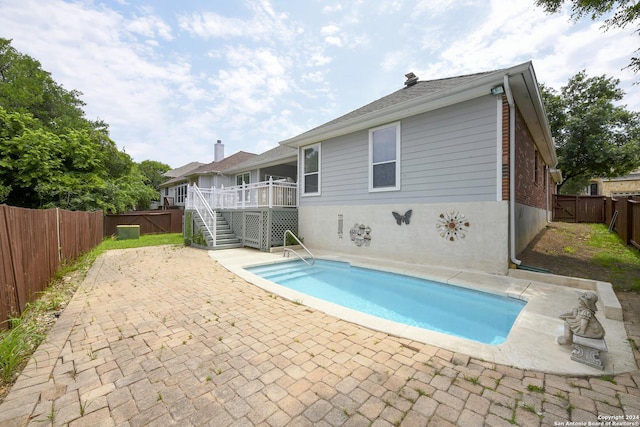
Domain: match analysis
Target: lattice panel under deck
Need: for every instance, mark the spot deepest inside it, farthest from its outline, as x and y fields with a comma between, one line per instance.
x=282, y=220
x=253, y=234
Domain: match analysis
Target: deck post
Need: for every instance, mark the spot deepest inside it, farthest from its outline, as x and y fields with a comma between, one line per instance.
x=243, y=194
x=270, y=192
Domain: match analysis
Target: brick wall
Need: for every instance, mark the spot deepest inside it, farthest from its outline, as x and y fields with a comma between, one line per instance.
x=505, y=149
x=529, y=176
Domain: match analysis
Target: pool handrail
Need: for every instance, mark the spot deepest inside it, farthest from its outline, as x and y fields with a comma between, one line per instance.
x=286, y=251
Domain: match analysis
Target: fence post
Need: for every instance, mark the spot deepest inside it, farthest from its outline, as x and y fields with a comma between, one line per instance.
x=629, y=220
x=58, y=232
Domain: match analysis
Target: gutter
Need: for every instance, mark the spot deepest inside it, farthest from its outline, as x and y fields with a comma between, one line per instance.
x=512, y=172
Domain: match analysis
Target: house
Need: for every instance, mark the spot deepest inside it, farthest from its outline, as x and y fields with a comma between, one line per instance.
x=173, y=192
x=623, y=186
x=456, y=172
x=248, y=202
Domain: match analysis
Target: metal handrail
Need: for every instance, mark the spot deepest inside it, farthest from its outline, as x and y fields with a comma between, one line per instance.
x=287, y=250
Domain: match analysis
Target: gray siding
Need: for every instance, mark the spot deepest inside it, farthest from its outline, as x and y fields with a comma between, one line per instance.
x=447, y=155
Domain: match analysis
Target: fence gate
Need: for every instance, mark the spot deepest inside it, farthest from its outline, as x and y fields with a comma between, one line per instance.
x=169, y=221
x=564, y=208
x=578, y=208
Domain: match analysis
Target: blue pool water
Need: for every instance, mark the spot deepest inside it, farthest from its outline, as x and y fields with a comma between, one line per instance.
x=453, y=310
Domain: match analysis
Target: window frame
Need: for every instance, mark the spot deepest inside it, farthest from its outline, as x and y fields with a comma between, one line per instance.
x=397, y=160
x=303, y=191
x=181, y=194
x=240, y=178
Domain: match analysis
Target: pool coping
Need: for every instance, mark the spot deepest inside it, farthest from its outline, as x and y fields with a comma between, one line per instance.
x=530, y=344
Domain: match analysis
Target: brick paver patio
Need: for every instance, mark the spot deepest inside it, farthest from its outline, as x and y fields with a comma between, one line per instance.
x=165, y=336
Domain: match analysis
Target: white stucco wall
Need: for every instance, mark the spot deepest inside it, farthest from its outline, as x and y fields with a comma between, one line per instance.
x=485, y=246
x=529, y=222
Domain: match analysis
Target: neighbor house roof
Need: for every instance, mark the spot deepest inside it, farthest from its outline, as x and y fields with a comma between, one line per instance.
x=223, y=165
x=430, y=95
x=182, y=173
x=177, y=172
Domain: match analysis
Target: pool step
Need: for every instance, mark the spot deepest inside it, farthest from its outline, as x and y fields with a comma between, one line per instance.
x=279, y=272
x=282, y=277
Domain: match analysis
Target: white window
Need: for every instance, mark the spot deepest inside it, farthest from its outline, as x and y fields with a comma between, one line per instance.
x=182, y=193
x=311, y=170
x=384, y=158
x=243, y=178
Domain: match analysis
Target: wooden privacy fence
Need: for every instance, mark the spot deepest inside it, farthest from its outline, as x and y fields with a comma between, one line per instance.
x=578, y=208
x=622, y=213
x=33, y=245
x=150, y=222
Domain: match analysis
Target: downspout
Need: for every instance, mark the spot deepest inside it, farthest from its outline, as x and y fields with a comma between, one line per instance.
x=546, y=189
x=512, y=173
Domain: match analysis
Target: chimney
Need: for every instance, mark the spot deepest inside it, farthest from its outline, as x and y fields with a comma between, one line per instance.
x=411, y=79
x=218, y=151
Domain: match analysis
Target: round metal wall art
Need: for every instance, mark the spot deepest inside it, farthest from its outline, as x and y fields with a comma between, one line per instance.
x=452, y=225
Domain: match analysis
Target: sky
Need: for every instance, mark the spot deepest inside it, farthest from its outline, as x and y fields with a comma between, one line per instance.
x=173, y=77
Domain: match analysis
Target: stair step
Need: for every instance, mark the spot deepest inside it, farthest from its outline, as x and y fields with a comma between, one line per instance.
x=225, y=238
x=227, y=246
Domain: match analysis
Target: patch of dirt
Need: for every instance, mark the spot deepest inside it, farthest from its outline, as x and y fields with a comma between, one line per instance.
x=564, y=249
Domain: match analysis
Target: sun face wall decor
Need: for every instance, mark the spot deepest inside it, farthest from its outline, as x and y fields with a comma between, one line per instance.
x=452, y=225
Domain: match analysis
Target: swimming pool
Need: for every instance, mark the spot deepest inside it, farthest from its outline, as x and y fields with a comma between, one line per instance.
x=453, y=310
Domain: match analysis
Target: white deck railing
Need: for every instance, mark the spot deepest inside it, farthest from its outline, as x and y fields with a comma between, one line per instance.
x=206, y=212
x=265, y=194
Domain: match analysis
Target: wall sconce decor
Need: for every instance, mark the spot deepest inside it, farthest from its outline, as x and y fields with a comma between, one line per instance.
x=360, y=235
x=452, y=225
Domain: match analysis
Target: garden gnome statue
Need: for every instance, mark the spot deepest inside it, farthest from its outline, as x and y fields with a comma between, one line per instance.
x=581, y=321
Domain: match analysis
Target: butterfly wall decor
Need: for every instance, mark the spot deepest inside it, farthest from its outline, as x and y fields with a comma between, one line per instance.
x=406, y=218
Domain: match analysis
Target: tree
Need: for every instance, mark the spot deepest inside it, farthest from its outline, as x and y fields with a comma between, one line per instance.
x=154, y=172
x=50, y=154
x=625, y=12
x=25, y=87
x=594, y=137
x=78, y=170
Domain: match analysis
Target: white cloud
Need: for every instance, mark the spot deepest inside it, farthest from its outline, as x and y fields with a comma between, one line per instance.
x=209, y=24
x=263, y=24
x=150, y=26
x=329, y=30
x=318, y=59
x=332, y=9
x=333, y=40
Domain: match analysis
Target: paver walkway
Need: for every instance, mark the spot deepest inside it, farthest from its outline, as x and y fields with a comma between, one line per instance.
x=165, y=336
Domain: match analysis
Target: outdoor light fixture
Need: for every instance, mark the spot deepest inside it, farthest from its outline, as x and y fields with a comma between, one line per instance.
x=498, y=90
